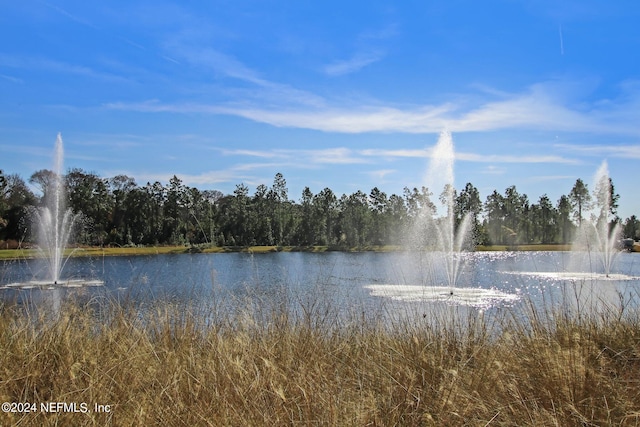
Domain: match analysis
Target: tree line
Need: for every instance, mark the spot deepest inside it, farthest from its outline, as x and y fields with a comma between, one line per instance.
x=117, y=211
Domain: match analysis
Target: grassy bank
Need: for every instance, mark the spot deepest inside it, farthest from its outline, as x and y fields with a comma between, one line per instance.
x=154, y=250
x=279, y=368
x=94, y=251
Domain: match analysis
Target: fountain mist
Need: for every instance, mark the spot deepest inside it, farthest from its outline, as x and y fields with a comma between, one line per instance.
x=441, y=234
x=596, y=236
x=441, y=239
x=55, y=223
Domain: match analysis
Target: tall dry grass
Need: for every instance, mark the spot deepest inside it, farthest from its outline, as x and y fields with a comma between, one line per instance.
x=254, y=365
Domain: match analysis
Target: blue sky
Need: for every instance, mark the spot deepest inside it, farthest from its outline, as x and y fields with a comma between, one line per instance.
x=345, y=95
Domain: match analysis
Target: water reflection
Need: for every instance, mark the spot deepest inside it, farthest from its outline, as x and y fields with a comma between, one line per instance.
x=351, y=284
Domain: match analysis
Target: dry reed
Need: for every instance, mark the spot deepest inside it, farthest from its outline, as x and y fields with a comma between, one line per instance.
x=270, y=365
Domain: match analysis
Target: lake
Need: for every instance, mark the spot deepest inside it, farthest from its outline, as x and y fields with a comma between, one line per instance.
x=367, y=283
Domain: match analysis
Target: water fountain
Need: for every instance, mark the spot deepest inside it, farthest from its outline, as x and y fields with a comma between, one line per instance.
x=442, y=244
x=55, y=224
x=442, y=234
x=595, y=247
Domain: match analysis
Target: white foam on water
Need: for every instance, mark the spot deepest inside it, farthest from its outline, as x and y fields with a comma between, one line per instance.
x=46, y=284
x=574, y=276
x=476, y=297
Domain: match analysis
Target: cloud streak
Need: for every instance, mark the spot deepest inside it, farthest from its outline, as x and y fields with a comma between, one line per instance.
x=537, y=108
x=620, y=151
x=31, y=63
x=237, y=173
x=353, y=64
x=546, y=106
x=277, y=159
x=561, y=40
x=69, y=15
x=11, y=78
x=343, y=155
x=227, y=66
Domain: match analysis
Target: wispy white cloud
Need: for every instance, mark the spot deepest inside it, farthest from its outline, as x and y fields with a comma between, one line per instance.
x=540, y=107
x=257, y=165
x=353, y=64
x=29, y=150
x=248, y=166
x=39, y=63
x=624, y=151
x=132, y=43
x=385, y=153
x=71, y=16
x=493, y=170
x=561, y=40
x=367, y=52
x=11, y=78
x=470, y=157
x=304, y=158
x=550, y=106
x=267, y=93
x=112, y=140
x=501, y=158
x=343, y=155
x=221, y=63
x=168, y=58
x=254, y=153
x=334, y=156
x=544, y=178
x=357, y=120
x=235, y=174
x=380, y=174
x=206, y=178
x=253, y=164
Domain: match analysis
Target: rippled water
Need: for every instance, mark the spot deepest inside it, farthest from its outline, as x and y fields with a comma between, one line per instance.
x=354, y=282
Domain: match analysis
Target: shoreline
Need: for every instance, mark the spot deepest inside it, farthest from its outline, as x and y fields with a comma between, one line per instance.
x=14, y=254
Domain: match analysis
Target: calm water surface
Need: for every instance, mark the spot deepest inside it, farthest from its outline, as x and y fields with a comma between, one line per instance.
x=359, y=281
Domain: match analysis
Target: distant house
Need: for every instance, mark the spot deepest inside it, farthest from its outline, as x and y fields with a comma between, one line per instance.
x=630, y=245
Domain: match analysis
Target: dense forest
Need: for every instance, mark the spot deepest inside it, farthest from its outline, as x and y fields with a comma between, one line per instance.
x=117, y=211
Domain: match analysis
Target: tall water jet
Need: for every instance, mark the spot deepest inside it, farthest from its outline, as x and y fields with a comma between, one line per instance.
x=441, y=238
x=441, y=234
x=595, y=245
x=597, y=236
x=451, y=238
x=54, y=221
